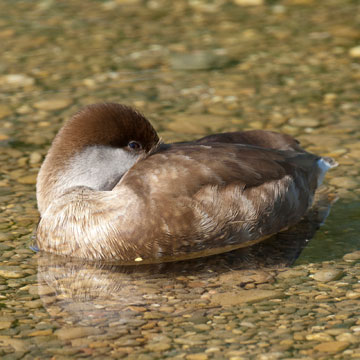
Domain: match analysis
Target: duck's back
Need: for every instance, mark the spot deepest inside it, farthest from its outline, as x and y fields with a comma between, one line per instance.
x=208, y=197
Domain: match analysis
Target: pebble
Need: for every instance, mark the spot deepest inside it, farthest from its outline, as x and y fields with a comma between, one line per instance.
x=18, y=345
x=352, y=294
x=53, y=104
x=35, y=304
x=5, y=324
x=11, y=272
x=292, y=273
x=351, y=257
x=304, y=122
x=240, y=277
x=249, y=2
x=4, y=111
x=35, y=158
x=76, y=332
x=41, y=332
x=195, y=124
x=319, y=337
x=326, y=275
x=28, y=179
x=245, y=296
x=158, y=346
x=354, y=52
x=17, y=80
x=200, y=60
x=344, y=182
x=5, y=236
x=332, y=347
x=198, y=356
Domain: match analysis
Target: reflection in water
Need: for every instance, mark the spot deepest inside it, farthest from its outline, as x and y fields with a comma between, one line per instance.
x=84, y=292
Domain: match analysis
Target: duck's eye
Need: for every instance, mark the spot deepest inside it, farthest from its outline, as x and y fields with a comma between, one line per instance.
x=134, y=145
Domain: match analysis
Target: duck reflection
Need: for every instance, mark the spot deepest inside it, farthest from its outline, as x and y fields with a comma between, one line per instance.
x=103, y=290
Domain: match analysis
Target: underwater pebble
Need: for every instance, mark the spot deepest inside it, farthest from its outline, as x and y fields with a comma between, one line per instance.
x=28, y=179
x=17, y=80
x=350, y=257
x=304, y=122
x=11, y=272
x=246, y=296
x=248, y=2
x=158, y=346
x=197, y=356
x=4, y=111
x=35, y=158
x=199, y=60
x=5, y=236
x=332, y=347
x=53, y=104
x=328, y=275
x=344, y=182
x=355, y=52
x=76, y=332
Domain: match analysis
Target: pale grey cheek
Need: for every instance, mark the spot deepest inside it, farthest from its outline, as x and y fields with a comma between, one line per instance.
x=324, y=165
x=97, y=167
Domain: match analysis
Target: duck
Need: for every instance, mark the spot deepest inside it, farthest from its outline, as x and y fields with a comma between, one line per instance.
x=111, y=190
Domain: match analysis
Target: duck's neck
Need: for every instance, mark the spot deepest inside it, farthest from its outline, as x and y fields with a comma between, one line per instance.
x=97, y=167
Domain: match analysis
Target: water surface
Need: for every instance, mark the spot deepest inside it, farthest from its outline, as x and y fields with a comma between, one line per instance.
x=194, y=68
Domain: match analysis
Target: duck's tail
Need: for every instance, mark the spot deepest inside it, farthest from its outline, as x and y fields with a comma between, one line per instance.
x=324, y=164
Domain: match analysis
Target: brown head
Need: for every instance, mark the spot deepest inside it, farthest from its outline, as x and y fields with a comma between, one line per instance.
x=94, y=149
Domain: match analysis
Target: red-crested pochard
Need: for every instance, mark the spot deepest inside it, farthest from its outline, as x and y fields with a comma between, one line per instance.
x=110, y=190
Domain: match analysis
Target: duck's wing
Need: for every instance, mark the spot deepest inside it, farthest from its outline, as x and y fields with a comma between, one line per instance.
x=191, y=166
x=261, y=138
x=194, y=200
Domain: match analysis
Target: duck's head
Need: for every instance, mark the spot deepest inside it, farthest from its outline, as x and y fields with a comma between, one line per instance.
x=94, y=149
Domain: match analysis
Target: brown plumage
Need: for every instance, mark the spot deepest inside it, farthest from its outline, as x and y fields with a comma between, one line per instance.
x=166, y=202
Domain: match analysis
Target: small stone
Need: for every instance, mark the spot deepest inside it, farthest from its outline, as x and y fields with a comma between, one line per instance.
x=352, y=294
x=245, y=296
x=35, y=158
x=344, y=182
x=4, y=137
x=53, y=104
x=41, y=333
x=35, y=304
x=248, y=2
x=195, y=124
x=332, y=347
x=158, y=346
x=241, y=277
x=77, y=332
x=11, y=272
x=5, y=324
x=28, y=179
x=18, y=345
x=347, y=337
x=292, y=273
x=355, y=52
x=6, y=237
x=304, y=122
x=352, y=256
x=200, y=60
x=319, y=337
x=198, y=356
x=4, y=111
x=17, y=80
x=326, y=275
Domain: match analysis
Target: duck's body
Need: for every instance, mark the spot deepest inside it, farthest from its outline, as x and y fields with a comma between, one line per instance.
x=109, y=191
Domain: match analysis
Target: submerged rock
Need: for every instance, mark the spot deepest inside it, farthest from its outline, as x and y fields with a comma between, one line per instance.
x=328, y=275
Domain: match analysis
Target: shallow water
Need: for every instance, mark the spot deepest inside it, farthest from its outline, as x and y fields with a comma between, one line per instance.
x=193, y=67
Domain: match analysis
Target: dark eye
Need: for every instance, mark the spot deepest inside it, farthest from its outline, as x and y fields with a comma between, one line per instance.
x=134, y=145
